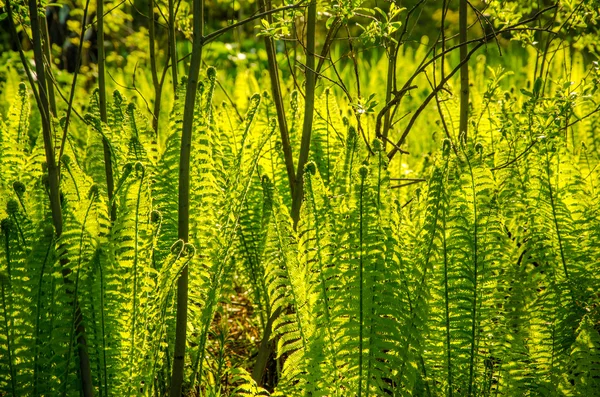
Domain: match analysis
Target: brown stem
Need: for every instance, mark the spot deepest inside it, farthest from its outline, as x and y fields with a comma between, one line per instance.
x=173, y=46
x=309, y=106
x=335, y=25
x=428, y=99
x=391, y=72
x=278, y=99
x=464, y=69
x=110, y=182
x=266, y=349
x=385, y=111
x=153, y=68
x=45, y=112
x=211, y=36
x=478, y=43
x=48, y=65
x=437, y=99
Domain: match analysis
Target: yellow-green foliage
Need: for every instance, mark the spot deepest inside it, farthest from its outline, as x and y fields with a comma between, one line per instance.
x=469, y=267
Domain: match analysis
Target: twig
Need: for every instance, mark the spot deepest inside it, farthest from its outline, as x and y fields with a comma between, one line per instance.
x=407, y=184
x=73, y=84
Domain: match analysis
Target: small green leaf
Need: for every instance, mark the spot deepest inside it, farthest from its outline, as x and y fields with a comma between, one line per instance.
x=525, y=92
x=537, y=86
x=329, y=22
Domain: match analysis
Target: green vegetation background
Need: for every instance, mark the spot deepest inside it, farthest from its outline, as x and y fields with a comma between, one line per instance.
x=466, y=267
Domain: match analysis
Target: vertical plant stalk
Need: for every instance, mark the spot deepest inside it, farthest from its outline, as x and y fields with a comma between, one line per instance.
x=42, y=103
x=85, y=373
x=173, y=46
x=464, y=69
x=267, y=347
x=44, y=111
x=442, y=74
x=37, y=319
x=450, y=391
x=48, y=66
x=136, y=249
x=76, y=313
x=555, y=217
x=73, y=84
x=11, y=369
x=265, y=6
x=390, y=84
x=184, y=195
x=309, y=107
x=155, y=81
x=331, y=33
x=475, y=281
x=363, y=175
x=110, y=182
x=4, y=280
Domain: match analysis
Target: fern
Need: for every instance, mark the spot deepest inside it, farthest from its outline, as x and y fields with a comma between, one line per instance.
x=466, y=270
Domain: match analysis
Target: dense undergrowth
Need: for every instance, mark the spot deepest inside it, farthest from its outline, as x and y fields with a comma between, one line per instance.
x=467, y=267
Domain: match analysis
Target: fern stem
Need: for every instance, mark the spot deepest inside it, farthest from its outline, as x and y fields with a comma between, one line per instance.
x=37, y=320
x=135, y=276
x=475, y=271
x=555, y=218
x=436, y=186
x=230, y=226
x=74, y=181
x=323, y=281
x=16, y=221
x=13, y=375
x=97, y=358
x=77, y=316
x=447, y=301
x=259, y=289
x=103, y=326
x=7, y=316
x=360, y=286
x=210, y=309
x=327, y=122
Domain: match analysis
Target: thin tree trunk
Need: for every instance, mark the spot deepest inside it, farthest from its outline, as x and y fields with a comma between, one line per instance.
x=266, y=350
x=173, y=46
x=45, y=112
x=309, y=107
x=184, y=195
x=110, y=184
x=391, y=75
x=265, y=5
x=464, y=69
x=48, y=66
x=153, y=69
